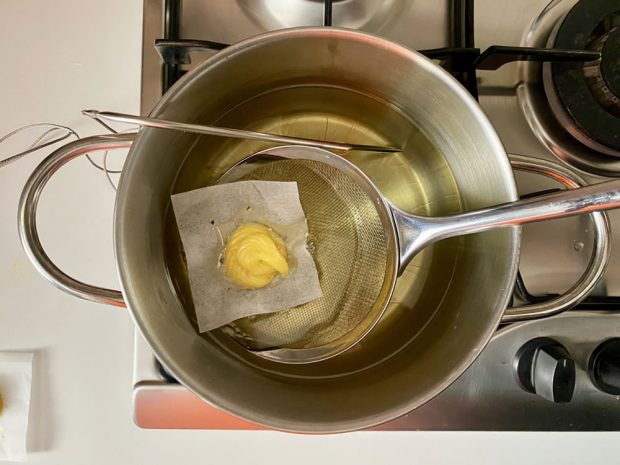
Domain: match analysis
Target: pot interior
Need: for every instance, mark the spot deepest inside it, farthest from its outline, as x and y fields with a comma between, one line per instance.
x=447, y=303
x=418, y=180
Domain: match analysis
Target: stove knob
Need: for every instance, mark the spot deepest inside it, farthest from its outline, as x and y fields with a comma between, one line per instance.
x=544, y=367
x=604, y=366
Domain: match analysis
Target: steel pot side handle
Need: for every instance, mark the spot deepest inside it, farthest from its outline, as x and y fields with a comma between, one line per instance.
x=600, y=253
x=27, y=217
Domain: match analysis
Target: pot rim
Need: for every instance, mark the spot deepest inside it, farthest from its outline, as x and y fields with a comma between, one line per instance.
x=301, y=426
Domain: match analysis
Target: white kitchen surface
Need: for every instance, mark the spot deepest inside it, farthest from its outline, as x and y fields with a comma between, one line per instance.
x=59, y=57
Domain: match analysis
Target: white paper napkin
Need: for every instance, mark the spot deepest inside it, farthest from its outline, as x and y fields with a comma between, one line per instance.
x=15, y=382
x=207, y=216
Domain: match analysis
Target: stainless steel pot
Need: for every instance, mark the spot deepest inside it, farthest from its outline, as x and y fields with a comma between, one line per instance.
x=339, y=85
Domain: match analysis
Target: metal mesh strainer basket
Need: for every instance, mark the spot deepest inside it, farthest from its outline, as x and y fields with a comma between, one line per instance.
x=348, y=241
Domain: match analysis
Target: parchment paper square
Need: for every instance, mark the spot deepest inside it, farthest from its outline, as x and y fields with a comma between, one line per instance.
x=206, y=217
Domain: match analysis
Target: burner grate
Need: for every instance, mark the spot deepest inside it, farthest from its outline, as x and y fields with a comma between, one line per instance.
x=462, y=59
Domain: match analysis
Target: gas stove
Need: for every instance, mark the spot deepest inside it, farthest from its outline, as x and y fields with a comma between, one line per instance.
x=546, y=74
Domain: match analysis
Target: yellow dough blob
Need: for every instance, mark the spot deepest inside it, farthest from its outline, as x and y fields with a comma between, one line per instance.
x=253, y=256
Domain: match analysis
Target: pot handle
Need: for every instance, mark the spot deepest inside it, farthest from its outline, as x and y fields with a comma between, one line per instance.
x=27, y=217
x=600, y=254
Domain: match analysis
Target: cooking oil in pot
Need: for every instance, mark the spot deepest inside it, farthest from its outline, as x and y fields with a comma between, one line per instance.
x=418, y=180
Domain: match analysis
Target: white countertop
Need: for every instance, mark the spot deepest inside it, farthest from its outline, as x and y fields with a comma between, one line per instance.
x=58, y=58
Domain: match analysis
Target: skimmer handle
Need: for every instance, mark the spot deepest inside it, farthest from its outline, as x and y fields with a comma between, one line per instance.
x=597, y=197
x=416, y=232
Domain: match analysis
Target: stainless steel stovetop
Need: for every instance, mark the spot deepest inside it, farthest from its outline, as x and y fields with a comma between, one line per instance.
x=488, y=396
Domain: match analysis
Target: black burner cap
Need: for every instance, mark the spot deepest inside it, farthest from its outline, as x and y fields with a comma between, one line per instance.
x=591, y=92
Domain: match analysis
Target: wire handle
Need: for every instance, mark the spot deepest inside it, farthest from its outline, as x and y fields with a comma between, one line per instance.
x=601, y=250
x=27, y=217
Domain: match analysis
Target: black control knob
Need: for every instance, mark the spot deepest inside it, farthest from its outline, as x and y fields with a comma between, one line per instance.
x=604, y=366
x=544, y=367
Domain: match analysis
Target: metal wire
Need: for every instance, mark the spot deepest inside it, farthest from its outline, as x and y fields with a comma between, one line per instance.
x=36, y=145
x=44, y=140
x=44, y=135
x=107, y=172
